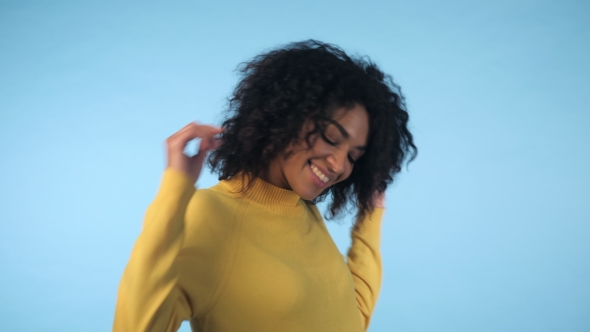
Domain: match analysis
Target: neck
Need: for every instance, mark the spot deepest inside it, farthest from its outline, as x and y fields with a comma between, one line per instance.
x=263, y=193
x=274, y=176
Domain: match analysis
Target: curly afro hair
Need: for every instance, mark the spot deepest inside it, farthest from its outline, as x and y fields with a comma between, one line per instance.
x=280, y=90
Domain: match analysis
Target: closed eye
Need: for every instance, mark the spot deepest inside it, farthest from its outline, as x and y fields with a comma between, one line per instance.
x=327, y=140
x=350, y=159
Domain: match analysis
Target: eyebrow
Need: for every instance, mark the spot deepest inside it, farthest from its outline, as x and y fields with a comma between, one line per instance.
x=345, y=133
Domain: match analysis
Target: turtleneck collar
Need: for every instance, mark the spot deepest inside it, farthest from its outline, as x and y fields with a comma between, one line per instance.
x=263, y=193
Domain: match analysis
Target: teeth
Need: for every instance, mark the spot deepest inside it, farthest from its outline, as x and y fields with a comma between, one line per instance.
x=320, y=175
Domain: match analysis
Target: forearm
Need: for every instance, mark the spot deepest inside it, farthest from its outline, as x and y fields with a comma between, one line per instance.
x=148, y=298
x=364, y=262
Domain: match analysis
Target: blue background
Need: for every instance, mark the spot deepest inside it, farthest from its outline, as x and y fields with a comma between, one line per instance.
x=488, y=230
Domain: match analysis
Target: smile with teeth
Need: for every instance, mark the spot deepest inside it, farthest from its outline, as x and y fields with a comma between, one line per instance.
x=320, y=175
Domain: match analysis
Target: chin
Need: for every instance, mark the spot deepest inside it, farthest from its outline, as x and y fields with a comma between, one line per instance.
x=306, y=194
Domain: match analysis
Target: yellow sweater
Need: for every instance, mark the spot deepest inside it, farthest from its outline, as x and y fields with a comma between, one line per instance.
x=263, y=262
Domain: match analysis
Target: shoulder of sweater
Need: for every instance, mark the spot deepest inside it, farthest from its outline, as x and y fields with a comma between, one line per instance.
x=209, y=215
x=208, y=199
x=314, y=209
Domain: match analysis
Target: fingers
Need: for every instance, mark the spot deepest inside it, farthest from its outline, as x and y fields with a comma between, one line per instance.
x=379, y=200
x=191, y=131
x=209, y=143
x=176, y=144
x=216, y=143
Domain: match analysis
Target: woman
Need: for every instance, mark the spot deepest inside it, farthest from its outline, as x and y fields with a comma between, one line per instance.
x=252, y=253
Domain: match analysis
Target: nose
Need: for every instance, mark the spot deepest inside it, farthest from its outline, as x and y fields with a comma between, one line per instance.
x=336, y=162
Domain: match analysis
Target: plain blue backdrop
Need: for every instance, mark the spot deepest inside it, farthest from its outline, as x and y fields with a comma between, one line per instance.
x=488, y=230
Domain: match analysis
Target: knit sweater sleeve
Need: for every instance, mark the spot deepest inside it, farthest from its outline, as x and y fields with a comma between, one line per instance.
x=149, y=298
x=364, y=262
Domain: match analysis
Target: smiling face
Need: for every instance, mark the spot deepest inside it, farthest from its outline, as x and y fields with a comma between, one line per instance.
x=309, y=171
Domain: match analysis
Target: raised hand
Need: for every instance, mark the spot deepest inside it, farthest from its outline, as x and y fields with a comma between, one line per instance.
x=176, y=144
x=379, y=200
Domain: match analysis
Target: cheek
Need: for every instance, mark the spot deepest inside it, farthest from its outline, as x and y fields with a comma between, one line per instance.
x=304, y=152
x=297, y=162
x=345, y=175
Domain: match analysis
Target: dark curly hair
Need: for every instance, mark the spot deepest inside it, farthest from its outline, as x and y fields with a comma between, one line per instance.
x=280, y=90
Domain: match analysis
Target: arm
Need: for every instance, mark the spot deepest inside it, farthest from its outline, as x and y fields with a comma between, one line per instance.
x=148, y=297
x=364, y=262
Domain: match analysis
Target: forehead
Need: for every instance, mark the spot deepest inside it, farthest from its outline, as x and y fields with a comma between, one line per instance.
x=355, y=121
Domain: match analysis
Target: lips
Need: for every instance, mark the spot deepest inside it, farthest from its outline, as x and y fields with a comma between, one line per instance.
x=315, y=178
x=319, y=173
